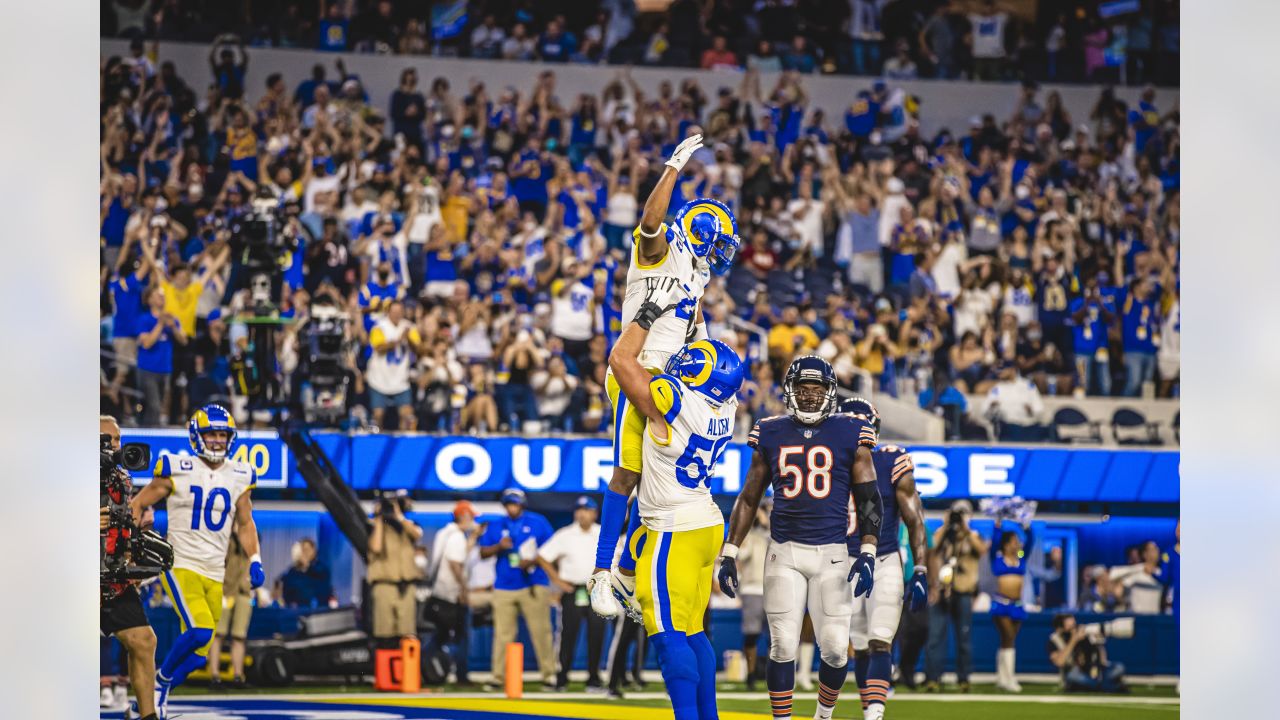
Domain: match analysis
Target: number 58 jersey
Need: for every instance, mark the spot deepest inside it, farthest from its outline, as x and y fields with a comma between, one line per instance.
x=810, y=470
x=202, y=510
x=675, y=484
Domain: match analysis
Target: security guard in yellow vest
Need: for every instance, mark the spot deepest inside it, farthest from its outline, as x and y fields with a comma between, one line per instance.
x=392, y=570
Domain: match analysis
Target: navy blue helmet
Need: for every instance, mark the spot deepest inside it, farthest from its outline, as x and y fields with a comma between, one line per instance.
x=862, y=407
x=811, y=409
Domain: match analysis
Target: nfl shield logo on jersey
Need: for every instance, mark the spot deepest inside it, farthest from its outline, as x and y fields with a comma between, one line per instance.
x=808, y=433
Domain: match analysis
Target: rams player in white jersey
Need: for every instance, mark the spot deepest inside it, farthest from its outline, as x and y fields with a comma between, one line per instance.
x=207, y=497
x=671, y=262
x=689, y=412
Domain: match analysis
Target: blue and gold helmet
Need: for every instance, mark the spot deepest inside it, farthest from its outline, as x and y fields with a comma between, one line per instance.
x=708, y=367
x=207, y=419
x=712, y=231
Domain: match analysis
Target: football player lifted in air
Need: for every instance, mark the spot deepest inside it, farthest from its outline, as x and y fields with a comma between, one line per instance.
x=670, y=264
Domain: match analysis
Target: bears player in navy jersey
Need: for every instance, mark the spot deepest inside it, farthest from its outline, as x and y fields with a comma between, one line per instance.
x=816, y=462
x=876, y=616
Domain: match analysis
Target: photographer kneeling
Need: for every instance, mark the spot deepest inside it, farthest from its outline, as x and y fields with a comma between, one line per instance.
x=1080, y=653
x=128, y=554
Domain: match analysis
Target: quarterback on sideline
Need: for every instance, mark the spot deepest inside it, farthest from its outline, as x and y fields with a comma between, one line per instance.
x=690, y=411
x=207, y=496
x=818, y=463
x=673, y=264
x=875, y=617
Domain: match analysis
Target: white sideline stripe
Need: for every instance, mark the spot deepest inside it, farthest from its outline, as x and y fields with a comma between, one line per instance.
x=1100, y=700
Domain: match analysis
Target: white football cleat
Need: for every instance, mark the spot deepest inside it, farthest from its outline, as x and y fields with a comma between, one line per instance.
x=624, y=591
x=603, y=602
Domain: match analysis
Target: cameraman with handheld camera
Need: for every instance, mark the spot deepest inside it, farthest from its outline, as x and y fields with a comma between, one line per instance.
x=128, y=554
x=1080, y=653
x=393, y=572
x=953, y=583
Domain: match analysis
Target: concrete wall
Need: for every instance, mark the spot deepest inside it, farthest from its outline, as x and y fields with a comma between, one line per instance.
x=943, y=104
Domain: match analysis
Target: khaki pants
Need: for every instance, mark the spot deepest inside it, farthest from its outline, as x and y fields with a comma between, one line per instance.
x=236, y=612
x=536, y=608
x=394, y=610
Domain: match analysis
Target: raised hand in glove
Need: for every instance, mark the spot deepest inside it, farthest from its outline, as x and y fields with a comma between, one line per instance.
x=683, y=152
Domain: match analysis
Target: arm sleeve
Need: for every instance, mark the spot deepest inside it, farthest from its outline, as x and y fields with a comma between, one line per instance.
x=753, y=438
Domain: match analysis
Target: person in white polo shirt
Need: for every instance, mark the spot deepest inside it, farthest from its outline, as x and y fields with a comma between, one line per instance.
x=394, y=341
x=569, y=557
x=448, y=579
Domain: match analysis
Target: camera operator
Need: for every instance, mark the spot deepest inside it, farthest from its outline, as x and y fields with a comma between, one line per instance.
x=953, y=582
x=393, y=572
x=121, y=613
x=1080, y=654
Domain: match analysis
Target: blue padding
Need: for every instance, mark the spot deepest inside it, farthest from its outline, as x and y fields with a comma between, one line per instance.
x=1125, y=476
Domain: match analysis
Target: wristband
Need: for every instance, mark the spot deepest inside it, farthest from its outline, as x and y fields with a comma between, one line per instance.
x=257, y=558
x=921, y=570
x=730, y=551
x=868, y=549
x=647, y=235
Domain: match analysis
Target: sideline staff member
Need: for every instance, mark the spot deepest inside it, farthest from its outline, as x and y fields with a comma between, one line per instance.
x=520, y=586
x=393, y=572
x=237, y=608
x=573, y=550
x=122, y=615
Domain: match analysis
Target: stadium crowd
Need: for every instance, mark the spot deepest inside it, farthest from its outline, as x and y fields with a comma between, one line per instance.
x=478, y=238
x=1067, y=41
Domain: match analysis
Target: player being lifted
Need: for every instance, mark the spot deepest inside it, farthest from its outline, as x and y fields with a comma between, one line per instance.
x=689, y=411
x=672, y=265
x=875, y=617
x=817, y=462
x=207, y=496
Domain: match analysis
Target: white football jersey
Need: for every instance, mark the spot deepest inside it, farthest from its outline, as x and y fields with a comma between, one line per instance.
x=681, y=276
x=675, y=485
x=202, y=509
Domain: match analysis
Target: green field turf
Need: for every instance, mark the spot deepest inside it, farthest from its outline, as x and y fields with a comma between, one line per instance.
x=1038, y=702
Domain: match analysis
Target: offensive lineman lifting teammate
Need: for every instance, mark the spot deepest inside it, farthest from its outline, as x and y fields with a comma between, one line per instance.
x=816, y=461
x=670, y=265
x=875, y=617
x=689, y=411
x=207, y=496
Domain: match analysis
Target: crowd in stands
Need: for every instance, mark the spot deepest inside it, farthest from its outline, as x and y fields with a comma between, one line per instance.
x=1068, y=41
x=478, y=239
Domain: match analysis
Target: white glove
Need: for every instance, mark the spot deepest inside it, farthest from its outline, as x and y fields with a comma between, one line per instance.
x=684, y=151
